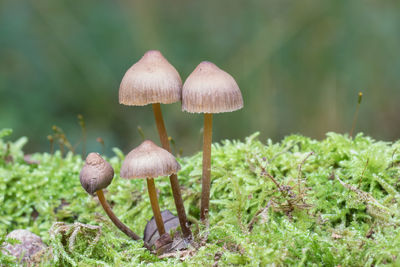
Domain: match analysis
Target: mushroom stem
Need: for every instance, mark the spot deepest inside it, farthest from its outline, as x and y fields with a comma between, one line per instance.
x=154, y=205
x=162, y=132
x=114, y=218
x=176, y=191
x=206, y=179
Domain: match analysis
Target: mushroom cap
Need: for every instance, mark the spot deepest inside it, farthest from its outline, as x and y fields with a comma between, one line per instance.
x=208, y=89
x=149, y=161
x=96, y=174
x=150, y=80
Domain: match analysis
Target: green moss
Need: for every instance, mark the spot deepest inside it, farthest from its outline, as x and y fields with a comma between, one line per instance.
x=338, y=204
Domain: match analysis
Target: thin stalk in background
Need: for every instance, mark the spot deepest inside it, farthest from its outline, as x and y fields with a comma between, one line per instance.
x=356, y=114
x=83, y=127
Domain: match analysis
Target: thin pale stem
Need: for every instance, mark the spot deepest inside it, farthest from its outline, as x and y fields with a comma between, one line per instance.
x=61, y=149
x=114, y=218
x=176, y=190
x=51, y=140
x=84, y=143
x=353, y=126
x=206, y=180
x=154, y=205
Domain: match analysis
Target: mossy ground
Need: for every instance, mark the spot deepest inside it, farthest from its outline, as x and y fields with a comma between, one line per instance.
x=337, y=204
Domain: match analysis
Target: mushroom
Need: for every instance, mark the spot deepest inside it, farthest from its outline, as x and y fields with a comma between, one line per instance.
x=149, y=161
x=153, y=80
x=208, y=90
x=96, y=175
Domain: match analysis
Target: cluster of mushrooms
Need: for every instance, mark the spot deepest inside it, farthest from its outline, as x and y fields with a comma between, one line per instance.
x=153, y=80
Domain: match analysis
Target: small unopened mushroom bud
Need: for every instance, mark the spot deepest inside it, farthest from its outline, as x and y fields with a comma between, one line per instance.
x=96, y=174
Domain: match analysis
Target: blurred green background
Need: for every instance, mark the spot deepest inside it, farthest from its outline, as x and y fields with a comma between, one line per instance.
x=299, y=64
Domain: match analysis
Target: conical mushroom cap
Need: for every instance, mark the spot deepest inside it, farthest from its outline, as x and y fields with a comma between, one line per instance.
x=96, y=174
x=150, y=80
x=149, y=161
x=208, y=89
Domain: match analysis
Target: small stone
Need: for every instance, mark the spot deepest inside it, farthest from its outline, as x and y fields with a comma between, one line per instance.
x=171, y=222
x=29, y=246
x=180, y=243
x=163, y=244
x=163, y=240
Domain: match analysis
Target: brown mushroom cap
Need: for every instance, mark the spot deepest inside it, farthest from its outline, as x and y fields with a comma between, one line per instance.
x=208, y=89
x=149, y=161
x=151, y=80
x=96, y=174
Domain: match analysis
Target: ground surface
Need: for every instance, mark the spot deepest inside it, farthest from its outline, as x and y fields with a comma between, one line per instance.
x=297, y=202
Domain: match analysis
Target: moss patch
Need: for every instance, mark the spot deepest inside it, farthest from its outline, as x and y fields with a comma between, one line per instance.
x=297, y=202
